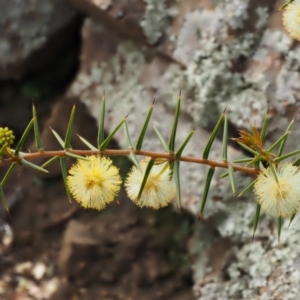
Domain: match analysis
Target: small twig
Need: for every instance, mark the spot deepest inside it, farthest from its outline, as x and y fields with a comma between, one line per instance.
x=113, y=152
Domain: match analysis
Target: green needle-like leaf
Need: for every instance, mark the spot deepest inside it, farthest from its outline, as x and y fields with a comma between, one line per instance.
x=274, y=173
x=59, y=139
x=212, y=137
x=134, y=159
x=177, y=181
x=252, y=129
x=49, y=162
x=224, y=175
x=174, y=127
x=146, y=175
x=256, y=219
x=37, y=136
x=242, y=160
x=283, y=137
x=284, y=140
x=100, y=137
x=3, y=198
x=171, y=166
x=162, y=140
x=89, y=145
x=69, y=130
x=64, y=171
x=297, y=162
x=255, y=161
x=292, y=218
x=109, y=138
x=139, y=142
x=181, y=148
x=8, y=173
x=76, y=156
x=23, y=137
x=33, y=166
x=264, y=126
x=232, y=179
x=3, y=149
x=285, y=156
x=248, y=188
x=225, y=138
x=127, y=136
x=209, y=177
x=248, y=149
x=279, y=227
x=285, y=4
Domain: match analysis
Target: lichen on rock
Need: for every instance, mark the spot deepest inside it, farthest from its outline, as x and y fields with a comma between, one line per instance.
x=226, y=56
x=156, y=20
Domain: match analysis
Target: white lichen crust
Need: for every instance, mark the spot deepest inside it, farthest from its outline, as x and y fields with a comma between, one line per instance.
x=156, y=20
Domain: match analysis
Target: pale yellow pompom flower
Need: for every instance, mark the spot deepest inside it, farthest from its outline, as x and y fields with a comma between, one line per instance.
x=282, y=198
x=291, y=20
x=159, y=189
x=94, y=183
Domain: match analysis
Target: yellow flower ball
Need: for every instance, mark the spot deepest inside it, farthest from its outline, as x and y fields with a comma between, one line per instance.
x=94, y=183
x=159, y=189
x=282, y=198
x=291, y=20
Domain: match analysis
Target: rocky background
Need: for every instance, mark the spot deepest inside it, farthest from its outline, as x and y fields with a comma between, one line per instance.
x=221, y=54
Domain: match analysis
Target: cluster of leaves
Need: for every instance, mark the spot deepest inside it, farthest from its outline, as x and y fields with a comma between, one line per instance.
x=252, y=141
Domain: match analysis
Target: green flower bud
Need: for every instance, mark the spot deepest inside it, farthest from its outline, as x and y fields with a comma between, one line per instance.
x=6, y=137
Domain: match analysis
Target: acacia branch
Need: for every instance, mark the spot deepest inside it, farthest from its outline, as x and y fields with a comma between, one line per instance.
x=113, y=152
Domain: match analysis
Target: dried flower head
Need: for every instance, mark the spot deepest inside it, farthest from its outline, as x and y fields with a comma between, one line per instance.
x=282, y=198
x=254, y=141
x=291, y=19
x=159, y=189
x=94, y=183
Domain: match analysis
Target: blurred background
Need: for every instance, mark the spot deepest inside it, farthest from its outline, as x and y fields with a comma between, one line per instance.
x=231, y=54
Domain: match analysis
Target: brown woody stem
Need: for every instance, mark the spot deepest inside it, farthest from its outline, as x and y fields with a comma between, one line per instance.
x=110, y=152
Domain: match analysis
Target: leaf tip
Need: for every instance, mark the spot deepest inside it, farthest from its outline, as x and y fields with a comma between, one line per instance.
x=295, y=116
